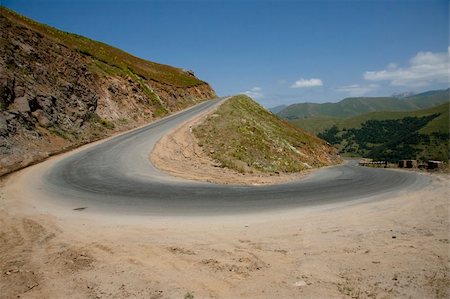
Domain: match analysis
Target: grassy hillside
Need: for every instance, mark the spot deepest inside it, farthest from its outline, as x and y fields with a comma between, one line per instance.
x=421, y=134
x=108, y=58
x=316, y=124
x=357, y=121
x=244, y=136
x=356, y=106
x=321, y=123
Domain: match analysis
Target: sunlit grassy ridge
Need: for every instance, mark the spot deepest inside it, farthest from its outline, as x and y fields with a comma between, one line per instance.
x=108, y=58
x=319, y=124
x=244, y=136
x=352, y=112
x=351, y=107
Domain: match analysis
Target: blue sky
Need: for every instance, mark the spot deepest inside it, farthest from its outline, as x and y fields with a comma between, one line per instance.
x=279, y=52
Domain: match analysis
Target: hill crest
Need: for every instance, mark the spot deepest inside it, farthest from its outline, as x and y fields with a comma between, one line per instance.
x=354, y=106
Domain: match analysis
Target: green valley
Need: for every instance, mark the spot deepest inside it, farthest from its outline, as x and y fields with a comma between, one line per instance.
x=386, y=134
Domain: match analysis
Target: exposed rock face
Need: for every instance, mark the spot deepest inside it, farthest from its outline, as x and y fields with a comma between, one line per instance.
x=53, y=97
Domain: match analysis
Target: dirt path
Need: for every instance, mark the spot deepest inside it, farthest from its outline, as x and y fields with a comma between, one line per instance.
x=395, y=248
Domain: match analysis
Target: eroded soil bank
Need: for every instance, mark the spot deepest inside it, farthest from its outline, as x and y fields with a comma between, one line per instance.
x=179, y=154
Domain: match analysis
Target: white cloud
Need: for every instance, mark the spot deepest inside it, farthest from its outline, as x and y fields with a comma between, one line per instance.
x=303, y=83
x=425, y=68
x=357, y=90
x=392, y=66
x=254, y=93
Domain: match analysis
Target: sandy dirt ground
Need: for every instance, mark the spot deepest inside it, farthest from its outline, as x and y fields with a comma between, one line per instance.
x=179, y=154
x=397, y=247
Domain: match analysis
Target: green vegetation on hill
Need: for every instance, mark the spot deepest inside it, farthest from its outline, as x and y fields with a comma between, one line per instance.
x=391, y=136
x=349, y=107
x=244, y=136
x=413, y=127
x=357, y=121
x=107, y=58
x=317, y=125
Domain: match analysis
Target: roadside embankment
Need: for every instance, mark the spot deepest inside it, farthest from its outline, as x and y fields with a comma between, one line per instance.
x=241, y=143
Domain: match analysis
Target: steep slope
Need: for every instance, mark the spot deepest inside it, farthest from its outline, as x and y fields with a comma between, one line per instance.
x=421, y=134
x=243, y=136
x=356, y=106
x=60, y=90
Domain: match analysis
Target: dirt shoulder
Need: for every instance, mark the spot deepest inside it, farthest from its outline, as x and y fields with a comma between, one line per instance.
x=180, y=154
x=394, y=248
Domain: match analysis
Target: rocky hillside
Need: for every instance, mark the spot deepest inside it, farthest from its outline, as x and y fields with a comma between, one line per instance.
x=243, y=136
x=60, y=90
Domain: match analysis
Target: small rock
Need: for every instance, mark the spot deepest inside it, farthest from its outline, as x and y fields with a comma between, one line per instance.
x=393, y=237
x=300, y=283
x=21, y=104
x=3, y=126
x=80, y=209
x=19, y=91
x=41, y=118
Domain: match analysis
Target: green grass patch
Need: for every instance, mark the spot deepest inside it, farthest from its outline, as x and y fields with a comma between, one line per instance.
x=63, y=134
x=94, y=118
x=244, y=136
x=159, y=109
x=110, y=57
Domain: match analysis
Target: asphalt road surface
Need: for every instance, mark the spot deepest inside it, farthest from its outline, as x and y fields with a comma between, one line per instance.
x=116, y=175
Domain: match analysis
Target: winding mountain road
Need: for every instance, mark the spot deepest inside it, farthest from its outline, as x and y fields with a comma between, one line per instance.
x=116, y=175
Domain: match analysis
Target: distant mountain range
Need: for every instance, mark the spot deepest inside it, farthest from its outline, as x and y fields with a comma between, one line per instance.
x=383, y=128
x=316, y=118
x=356, y=106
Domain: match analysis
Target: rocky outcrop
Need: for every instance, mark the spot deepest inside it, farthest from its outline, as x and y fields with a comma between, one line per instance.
x=53, y=97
